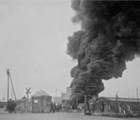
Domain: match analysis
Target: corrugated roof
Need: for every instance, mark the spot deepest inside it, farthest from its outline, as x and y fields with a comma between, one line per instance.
x=40, y=93
x=120, y=99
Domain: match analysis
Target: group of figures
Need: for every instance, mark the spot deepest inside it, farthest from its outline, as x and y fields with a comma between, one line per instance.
x=55, y=107
x=119, y=109
x=11, y=105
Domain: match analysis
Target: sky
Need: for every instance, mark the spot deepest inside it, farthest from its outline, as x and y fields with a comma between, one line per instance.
x=33, y=45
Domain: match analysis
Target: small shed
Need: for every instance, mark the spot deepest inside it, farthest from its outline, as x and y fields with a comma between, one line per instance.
x=41, y=102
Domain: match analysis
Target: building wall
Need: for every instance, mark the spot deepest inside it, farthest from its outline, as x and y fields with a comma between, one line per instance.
x=2, y=104
x=41, y=104
x=111, y=106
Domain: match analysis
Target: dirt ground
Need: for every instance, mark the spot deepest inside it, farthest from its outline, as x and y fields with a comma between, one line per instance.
x=56, y=116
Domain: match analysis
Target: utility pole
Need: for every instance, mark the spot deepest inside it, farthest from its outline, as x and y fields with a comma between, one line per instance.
x=55, y=96
x=137, y=93
x=117, y=103
x=10, y=102
x=8, y=73
x=12, y=86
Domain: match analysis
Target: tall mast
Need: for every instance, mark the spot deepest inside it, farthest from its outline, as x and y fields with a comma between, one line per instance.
x=9, y=78
x=8, y=84
x=12, y=86
x=137, y=92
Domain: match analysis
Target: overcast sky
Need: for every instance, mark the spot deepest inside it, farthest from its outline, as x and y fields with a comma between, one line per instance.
x=33, y=43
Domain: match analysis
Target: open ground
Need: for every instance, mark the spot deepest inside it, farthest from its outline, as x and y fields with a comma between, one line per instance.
x=56, y=116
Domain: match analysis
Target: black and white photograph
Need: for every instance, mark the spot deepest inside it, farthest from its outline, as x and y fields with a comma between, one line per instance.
x=69, y=59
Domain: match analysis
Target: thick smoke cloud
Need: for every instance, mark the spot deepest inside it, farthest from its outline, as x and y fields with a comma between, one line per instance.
x=109, y=37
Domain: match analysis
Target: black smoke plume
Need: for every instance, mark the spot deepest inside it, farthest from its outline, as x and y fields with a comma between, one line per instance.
x=109, y=37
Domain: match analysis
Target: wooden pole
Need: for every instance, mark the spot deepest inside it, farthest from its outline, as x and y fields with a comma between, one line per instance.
x=137, y=92
x=87, y=110
x=12, y=86
x=117, y=104
x=55, y=96
x=85, y=106
x=7, y=85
